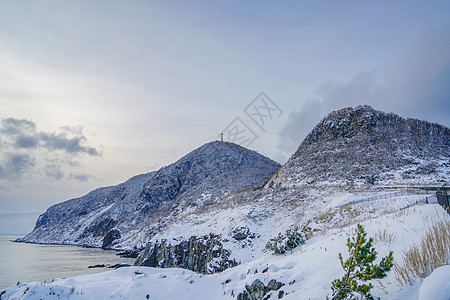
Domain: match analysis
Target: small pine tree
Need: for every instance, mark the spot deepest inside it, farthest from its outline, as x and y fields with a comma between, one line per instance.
x=294, y=238
x=288, y=241
x=359, y=268
x=371, y=180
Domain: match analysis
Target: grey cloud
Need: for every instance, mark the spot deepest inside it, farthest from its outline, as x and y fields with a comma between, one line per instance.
x=416, y=85
x=60, y=141
x=25, y=136
x=12, y=126
x=14, y=166
x=25, y=141
x=80, y=177
x=54, y=171
x=297, y=127
x=22, y=144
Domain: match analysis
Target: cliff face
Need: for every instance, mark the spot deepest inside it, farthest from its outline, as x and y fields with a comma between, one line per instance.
x=205, y=254
x=363, y=145
x=126, y=215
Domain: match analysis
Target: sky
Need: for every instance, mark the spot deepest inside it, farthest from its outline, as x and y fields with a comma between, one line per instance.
x=95, y=92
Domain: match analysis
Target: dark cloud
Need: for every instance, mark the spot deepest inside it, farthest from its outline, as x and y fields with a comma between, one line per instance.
x=24, y=141
x=80, y=177
x=24, y=135
x=14, y=166
x=21, y=144
x=61, y=141
x=416, y=85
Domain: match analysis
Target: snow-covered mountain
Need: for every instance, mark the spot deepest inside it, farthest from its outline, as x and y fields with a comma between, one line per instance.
x=128, y=214
x=205, y=213
x=310, y=188
x=360, y=145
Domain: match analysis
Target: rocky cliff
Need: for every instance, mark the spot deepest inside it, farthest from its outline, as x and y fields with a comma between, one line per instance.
x=127, y=215
x=205, y=254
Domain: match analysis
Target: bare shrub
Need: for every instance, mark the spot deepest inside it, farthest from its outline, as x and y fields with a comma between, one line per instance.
x=384, y=236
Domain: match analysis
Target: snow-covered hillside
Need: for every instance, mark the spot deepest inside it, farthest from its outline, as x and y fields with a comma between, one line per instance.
x=126, y=215
x=215, y=209
x=306, y=273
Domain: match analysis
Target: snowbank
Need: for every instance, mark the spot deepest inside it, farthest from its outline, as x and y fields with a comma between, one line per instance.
x=437, y=285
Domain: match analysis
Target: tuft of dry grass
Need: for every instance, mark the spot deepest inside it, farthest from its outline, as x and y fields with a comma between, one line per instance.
x=384, y=236
x=433, y=252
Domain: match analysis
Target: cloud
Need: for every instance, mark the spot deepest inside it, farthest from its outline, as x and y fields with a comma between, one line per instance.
x=415, y=85
x=12, y=126
x=61, y=141
x=14, y=166
x=297, y=127
x=80, y=177
x=54, y=171
x=26, y=142
x=24, y=149
x=24, y=135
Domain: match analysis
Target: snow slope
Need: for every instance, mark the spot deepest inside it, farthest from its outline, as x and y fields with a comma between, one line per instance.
x=358, y=165
x=307, y=273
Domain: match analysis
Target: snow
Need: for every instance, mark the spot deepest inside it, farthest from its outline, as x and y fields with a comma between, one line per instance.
x=437, y=285
x=307, y=273
x=215, y=189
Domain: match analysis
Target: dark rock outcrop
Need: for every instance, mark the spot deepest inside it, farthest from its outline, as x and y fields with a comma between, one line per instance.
x=112, y=235
x=203, y=254
x=257, y=290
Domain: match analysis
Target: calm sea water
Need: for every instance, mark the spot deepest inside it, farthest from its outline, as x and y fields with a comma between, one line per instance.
x=31, y=262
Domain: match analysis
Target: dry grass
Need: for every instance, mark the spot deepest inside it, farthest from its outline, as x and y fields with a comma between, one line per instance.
x=421, y=260
x=384, y=236
x=326, y=216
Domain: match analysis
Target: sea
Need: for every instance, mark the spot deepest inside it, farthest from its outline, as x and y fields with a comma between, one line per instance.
x=42, y=263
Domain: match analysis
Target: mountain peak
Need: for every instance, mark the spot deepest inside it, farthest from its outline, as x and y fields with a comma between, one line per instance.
x=356, y=143
x=343, y=123
x=132, y=212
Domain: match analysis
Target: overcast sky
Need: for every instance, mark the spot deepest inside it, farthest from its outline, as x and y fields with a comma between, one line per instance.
x=94, y=92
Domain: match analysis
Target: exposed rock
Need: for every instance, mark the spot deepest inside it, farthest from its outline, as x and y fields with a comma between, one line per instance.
x=112, y=235
x=274, y=285
x=257, y=290
x=97, y=266
x=132, y=253
x=240, y=233
x=116, y=266
x=203, y=254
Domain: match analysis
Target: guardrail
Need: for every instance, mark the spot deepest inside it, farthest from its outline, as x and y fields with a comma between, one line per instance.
x=442, y=199
x=377, y=197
